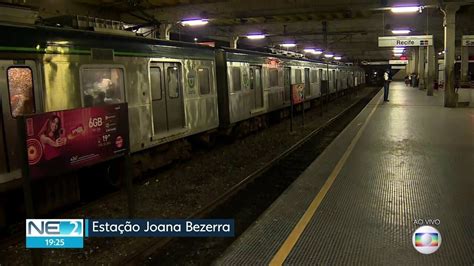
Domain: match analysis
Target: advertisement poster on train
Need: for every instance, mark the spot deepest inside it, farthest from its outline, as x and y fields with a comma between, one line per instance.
x=297, y=91
x=58, y=142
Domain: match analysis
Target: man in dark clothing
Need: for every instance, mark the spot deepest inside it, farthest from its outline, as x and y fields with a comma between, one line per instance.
x=386, y=84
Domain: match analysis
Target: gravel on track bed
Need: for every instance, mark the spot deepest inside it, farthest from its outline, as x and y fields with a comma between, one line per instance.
x=181, y=189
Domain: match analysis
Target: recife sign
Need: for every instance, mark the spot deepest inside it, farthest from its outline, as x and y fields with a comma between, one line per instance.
x=418, y=40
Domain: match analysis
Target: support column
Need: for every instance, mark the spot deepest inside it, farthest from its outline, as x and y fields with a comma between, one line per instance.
x=421, y=67
x=436, y=68
x=430, y=69
x=464, y=62
x=414, y=60
x=409, y=66
x=325, y=34
x=450, y=97
x=233, y=42
x=165, y=30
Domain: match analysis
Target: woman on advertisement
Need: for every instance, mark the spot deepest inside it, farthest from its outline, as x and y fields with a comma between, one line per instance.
x=51, y=138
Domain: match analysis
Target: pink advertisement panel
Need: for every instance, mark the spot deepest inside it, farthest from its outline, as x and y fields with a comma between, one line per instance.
x=62, y=141
x=297, y=91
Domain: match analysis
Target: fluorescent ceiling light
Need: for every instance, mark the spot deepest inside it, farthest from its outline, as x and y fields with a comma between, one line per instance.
x=405, y=9
x=337, y=58
x=255, y=36
x=328, y=55
x=400, y=50
x=401, y=31
x=397, y=55
x=288, y=45
x=312, y=51
x=194, y=22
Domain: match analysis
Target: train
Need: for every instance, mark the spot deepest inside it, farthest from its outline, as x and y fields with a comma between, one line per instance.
x=174, y=90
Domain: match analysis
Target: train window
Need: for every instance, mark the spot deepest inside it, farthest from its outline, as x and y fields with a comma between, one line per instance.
x=320, y=74
x=204, y=84
x=20, y=88
x=155, y=80
x=173, y=82
x=102, y=86
x=273, y=77
x=236, y=83
x=314, y=76
x=297, y=76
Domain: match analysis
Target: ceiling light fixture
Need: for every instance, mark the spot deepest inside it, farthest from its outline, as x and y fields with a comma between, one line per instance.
x=194, y=22
x=406, y=9
x=328, y=55
x=255, y=36
x=400, y=32
x=337, y=58
x=313, y=51
x=288, y=45
x=397, y=55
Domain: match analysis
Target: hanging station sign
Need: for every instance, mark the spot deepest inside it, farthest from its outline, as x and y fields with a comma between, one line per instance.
x=468, y=40
x=398, y=62
x=398, y=67
x=374, y=63
x=418, y=40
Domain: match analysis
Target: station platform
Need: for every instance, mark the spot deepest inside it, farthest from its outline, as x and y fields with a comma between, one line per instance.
x=396, y=162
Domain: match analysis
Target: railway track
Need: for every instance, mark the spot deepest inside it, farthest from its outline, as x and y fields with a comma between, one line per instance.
x=246, y=200
x=292, y=162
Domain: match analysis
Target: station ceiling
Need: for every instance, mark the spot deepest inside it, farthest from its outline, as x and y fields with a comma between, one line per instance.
x=352, y=25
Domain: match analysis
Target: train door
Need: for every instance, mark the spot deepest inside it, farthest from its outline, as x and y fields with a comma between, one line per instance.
x=334, y=74
x=3, y=156
x=256, y=85
x=19, y=95
x=307, y=88
x=167, y=97
x=287, y=83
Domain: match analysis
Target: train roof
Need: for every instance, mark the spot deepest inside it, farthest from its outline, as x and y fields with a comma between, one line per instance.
x=36, y=38
x=264, y=54
x=237, y=54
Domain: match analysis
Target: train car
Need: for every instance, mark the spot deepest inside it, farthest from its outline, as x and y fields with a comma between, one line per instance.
x=170, y=88
x=251, y=84
x=174, y=90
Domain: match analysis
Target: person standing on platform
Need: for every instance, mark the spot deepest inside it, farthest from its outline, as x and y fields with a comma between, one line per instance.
x=386, y=84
